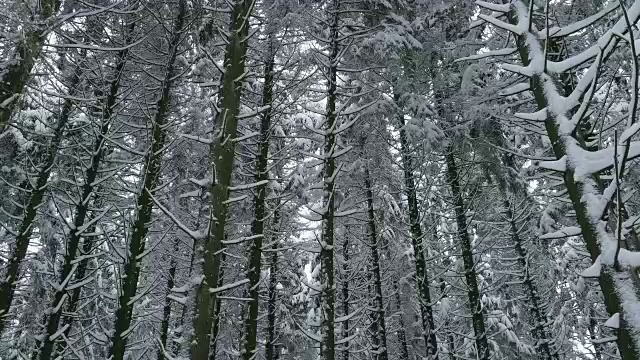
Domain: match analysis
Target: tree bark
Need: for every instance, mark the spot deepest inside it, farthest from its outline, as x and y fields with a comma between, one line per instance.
x=81, y=211
x=222, y=157
x=608, y=275
x=37, y=192
x=255, y=257
x=144, y=205
x=375, y=269
x=424, y=296
x=328, y=199
x=27, y=51
x=166, y=311
x=272, y=349
x=473, y=292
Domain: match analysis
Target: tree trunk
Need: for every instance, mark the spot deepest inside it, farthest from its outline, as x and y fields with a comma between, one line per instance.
x=222, y=156
x=145, y=203
x=345, y=295
x=16, y=75
x=272, y=347
x=328, y=199
x=81, y=212
x=475, y=304
x=381, y=326
x=215, y=328
x=402, y=337
x=23, y=237
x=609, y=276
x=255, y=258
x=424, y=296
x=166, y=311
x=543, y=344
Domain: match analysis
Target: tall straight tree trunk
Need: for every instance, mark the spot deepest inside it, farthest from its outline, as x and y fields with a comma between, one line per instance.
x=381, y=326
x=328, y=199
x=37, y=192
x=215, y=328
x=222, y=157
x=473, y=292
x=417, y=237
x=345, y=295
x=272, y=350
x=144, y=205
x=255, y=257
x=166, y=311
x=16, y=75
x=81, y=211
x=609, y=276
x=402, y=337
x=543, y=344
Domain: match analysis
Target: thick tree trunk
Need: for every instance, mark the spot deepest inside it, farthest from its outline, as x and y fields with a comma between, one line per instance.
x=328, y=199
x=475, y=304
x=255, y=257
x=215, y=328
x=381, y=326
x=609, y=276
x=424, y=296
x=145, y=203
x=222, y=157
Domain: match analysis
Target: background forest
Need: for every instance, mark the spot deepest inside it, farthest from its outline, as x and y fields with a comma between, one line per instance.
x=319, y=179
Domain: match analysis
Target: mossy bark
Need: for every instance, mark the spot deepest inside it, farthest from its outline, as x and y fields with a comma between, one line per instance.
x=222, y=158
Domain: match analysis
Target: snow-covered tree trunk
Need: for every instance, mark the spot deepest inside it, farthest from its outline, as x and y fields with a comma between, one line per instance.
x=379, y=312
x=473, y=291
x=222, y=158
x=329, y=174
x=145, y=201
x=36, y=193
x=258, y=228
x=15, y=76
x=272, y=350
x=81, y=213
x=619, y=284
x=417, y=237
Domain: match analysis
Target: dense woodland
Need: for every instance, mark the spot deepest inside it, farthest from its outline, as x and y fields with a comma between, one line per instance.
x=319, y=179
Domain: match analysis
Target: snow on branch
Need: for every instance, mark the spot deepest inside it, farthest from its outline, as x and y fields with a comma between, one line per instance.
x=501, y=24
x=501, y=52
x=504, y=8
x=594, y=270
x=196, y=235
x=562, y=233
x=248, y=186
x=540, y=115
x=613, y=322
x=228, y=286
x=199, y=139
x=577, y=26
x=242, y=239
x=555, y=165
